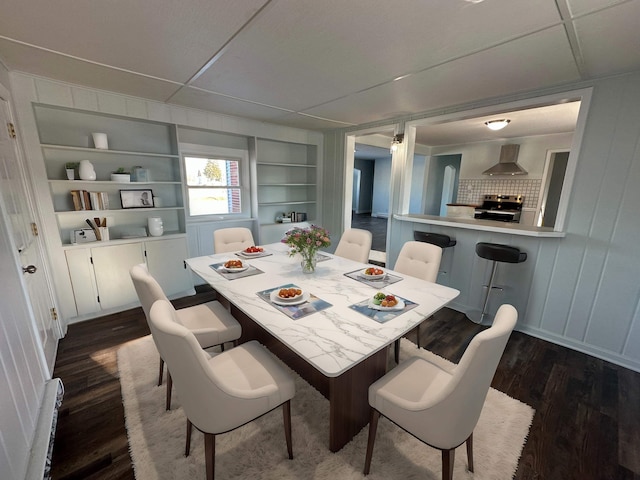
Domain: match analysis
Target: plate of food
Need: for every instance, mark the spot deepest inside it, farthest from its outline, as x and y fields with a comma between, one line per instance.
x=234, y=266
x=252, y=251
x=385, y=302
x=373, y=273
x=289, y=296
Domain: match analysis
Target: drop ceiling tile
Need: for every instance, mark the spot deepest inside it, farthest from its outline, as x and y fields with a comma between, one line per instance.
x=580, y=7
x=161, y=38
x=537, y=61
x=610, y=39
x=194, y=98
x=318, y=51
x=38, y=62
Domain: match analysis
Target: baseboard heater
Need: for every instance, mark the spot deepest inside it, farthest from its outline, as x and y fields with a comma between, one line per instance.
x=42, y=446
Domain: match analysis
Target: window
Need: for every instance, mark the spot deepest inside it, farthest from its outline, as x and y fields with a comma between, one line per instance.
x=215, y=184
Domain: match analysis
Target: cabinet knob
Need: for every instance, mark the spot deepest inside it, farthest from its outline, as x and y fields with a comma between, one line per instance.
x=29, y=269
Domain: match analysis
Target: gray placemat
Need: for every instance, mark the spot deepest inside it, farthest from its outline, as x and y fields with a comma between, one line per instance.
x=379, y=315
x=313, y=305
x=235, y=275
x=263, y=254
x=388, y=279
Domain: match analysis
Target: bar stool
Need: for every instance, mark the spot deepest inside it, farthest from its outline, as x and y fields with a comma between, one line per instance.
x=440, y=240
x=497, y=253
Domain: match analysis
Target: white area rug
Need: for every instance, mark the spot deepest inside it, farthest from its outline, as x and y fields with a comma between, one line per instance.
x=258, y=450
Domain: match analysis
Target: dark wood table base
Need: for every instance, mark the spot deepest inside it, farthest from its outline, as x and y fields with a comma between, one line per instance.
x=347, y=393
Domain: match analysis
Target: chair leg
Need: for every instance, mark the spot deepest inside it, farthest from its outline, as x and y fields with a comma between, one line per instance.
x=470, y=452
x=418, y=335
x=286, y=414
x=187, y=445
x=396, y=351
x=161, y=371
x=373, y=427
x=222, y=347
x=169, y=388
x=210, y=454
x=448, y=457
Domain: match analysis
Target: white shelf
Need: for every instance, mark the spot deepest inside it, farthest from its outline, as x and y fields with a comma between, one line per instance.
x=274, y=164
x=109, y=182
x=301, y=202
x=286, y=184
x=119, y=210
x=98, y=150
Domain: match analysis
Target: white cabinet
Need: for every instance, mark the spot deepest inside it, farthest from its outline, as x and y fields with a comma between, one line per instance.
x=287, y=182
x=100, y=274
x=166, y=262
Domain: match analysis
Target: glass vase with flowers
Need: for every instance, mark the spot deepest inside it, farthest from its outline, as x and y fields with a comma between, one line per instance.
x=306, y=242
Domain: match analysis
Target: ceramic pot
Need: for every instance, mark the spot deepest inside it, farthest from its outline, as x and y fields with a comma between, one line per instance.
x=86, y=171
x=156, y=228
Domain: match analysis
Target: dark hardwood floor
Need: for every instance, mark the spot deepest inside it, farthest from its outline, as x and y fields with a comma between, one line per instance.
x=586, y=426
x=376, y=225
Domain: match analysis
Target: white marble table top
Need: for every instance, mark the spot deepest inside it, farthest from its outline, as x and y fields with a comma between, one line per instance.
x=335, y=339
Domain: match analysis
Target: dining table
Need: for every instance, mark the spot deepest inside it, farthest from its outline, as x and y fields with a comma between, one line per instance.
x=334, y=335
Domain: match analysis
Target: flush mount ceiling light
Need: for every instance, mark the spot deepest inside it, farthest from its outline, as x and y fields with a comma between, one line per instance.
x=397, y=140
x=497, y=124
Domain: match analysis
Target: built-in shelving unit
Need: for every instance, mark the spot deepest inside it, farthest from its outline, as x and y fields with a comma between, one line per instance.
x=65, y=136
x=287, y=182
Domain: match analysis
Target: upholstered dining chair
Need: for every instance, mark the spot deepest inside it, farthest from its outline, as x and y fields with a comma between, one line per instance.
x=420, y=260
x=232, y=239
x=437, y=406
x=210, y=322
x=222, y=392
x=355, y=244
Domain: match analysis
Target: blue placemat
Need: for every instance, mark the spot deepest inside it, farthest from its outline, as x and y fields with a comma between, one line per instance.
x=313, y=305
x=235, y=275
x=388, y=279
x=382, y=316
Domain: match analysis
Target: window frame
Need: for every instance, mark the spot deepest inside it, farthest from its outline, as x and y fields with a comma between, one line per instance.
x=223, y=153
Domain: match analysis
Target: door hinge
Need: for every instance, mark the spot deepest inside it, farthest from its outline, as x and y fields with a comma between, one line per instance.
x=34, y=229
x=54, y=314
x=12, y=130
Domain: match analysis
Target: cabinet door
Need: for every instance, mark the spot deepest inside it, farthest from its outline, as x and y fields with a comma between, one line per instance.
x=111, y=265
x=83, y=280
x=165, y=261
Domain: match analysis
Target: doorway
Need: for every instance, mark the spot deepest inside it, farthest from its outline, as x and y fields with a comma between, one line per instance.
x=552, y=181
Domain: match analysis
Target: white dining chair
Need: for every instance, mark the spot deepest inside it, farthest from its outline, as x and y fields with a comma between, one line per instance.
x=233, y=239
x=441, y=406
x=210, y=322
x=222, y=392
x=420, y=260
x=355, y=244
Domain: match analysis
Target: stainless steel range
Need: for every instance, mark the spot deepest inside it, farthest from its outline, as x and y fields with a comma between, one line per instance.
x=503, y=208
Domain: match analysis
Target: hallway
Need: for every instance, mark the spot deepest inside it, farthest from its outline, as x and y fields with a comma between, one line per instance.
x=378, y=228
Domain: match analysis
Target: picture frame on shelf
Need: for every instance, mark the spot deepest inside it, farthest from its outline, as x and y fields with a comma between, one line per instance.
x=136, y=198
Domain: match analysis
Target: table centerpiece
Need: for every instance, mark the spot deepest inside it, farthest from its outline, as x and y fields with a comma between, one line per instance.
x=306, y=242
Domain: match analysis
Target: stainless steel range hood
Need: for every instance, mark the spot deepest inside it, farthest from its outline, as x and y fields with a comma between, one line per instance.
x=507, y=165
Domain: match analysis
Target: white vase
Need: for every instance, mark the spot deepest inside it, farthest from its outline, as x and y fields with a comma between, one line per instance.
x=86, y=171
x=156, y=228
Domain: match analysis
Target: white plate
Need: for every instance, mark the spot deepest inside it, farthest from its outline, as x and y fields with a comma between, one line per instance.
x=373, y=277
x=247, y=254
x=286, y=301
x=399, y=306
x=235, y=270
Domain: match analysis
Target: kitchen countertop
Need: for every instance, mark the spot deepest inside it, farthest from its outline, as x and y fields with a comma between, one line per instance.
x=484, y=225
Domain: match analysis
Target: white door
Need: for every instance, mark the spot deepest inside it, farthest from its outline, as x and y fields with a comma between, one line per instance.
x=24, y=230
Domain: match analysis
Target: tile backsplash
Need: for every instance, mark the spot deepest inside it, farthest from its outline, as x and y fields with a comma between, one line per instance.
x=471, y=191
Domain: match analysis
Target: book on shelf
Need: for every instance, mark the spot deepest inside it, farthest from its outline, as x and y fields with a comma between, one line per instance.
x=85, y=200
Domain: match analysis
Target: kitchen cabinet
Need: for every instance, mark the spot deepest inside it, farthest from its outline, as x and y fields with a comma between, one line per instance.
x=287, y=181
x=100, y=273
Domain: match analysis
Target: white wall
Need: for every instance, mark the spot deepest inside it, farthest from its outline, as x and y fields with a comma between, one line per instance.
x=381, y=176
x=581, y=291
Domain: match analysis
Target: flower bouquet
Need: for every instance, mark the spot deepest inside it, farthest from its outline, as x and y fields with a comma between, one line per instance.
x=306, y=242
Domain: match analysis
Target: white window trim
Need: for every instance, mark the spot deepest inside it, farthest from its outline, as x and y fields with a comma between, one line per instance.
x=197, y=150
